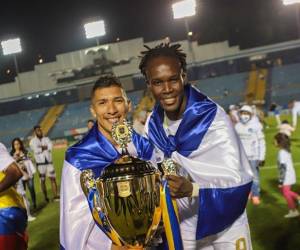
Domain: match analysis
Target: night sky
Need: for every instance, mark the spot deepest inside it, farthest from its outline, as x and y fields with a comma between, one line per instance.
x=52, y=27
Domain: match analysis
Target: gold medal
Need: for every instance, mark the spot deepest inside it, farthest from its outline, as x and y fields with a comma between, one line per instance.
x=122, y=133
x=169, y=167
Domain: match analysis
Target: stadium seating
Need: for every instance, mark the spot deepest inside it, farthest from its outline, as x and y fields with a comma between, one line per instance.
x=285, y=83
x=19, y=124
x=75, y=115
x=135, y=97
x=225, y=90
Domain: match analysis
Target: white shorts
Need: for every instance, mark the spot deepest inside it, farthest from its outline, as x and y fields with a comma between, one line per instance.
x=46, y=170
x=236, y=237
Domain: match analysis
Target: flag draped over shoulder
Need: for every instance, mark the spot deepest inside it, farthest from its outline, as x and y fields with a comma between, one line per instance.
x=77, y=229
x=206, y=146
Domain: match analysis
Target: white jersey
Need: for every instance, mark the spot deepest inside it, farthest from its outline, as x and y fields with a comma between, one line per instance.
x=195, y=168
x=295, y=113
x=253, y=139
x=41, y=156
x=286, y=168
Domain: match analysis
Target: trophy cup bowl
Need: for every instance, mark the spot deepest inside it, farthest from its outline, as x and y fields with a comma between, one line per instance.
x=129, y=196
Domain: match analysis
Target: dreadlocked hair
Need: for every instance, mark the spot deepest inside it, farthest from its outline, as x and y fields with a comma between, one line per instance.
x=163, y=49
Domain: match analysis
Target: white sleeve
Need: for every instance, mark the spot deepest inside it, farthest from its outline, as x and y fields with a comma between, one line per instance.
x=34, y=147
x=49, y=144
x=196, y=188
x=30, y=167
x=261, y=145
x=5, y=158
x=281, y=157
x=294, y=114
x=78, y=230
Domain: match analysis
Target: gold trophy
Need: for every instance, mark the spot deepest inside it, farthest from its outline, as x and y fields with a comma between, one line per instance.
x=126, y=200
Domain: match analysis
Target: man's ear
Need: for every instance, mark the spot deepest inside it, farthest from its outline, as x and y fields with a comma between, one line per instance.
x=184, y=77
x=129, y=105
x=148, y=83
x=93, y=112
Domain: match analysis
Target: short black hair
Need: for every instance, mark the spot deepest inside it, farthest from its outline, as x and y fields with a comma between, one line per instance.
x=36, y=127
x=163, y=49
x=106, y=81
x=285, y=122
x=91, y=120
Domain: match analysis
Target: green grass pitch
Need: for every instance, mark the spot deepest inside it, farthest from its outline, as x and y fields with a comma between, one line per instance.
x=269, y=229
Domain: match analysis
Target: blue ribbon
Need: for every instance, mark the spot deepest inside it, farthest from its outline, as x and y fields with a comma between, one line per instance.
x=197, y=117
x=176, y=235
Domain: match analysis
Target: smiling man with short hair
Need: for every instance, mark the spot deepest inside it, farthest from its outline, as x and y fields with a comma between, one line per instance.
x=109, y=104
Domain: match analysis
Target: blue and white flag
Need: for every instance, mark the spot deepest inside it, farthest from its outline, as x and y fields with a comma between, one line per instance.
x=206, y=147
x=78, y=230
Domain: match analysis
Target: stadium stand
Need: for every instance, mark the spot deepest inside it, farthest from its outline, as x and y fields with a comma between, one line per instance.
x=19, y=124
x=51, y=117
x=225, y=90
x=226, y=74
x=75, y=115
x=285, y=83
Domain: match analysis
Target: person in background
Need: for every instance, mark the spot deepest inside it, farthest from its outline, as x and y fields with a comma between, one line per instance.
x=13, y=218
x=90, y=124
x=19, y=153
x=274, y=108
x=233, y=113
x=253, y=141
x=139, y=122
x=294, y=106
x=258, y=116
x=42, y=151
x=21, y=191
x=286, y=128
x=287, y=175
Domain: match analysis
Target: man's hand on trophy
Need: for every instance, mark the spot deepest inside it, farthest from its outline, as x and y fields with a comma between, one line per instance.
x=179, y=186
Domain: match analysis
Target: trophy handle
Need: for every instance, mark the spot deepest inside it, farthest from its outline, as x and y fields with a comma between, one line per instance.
x=99, y=201
x=87, y=181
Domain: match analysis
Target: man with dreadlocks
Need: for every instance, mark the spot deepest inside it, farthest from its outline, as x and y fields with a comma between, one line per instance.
x=213, y=174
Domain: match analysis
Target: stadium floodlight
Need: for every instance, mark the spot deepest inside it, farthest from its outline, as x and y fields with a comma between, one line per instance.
x=288, y=2
x=95, y=30
x=11, y=46
x=297, y=12
x=185, y=8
